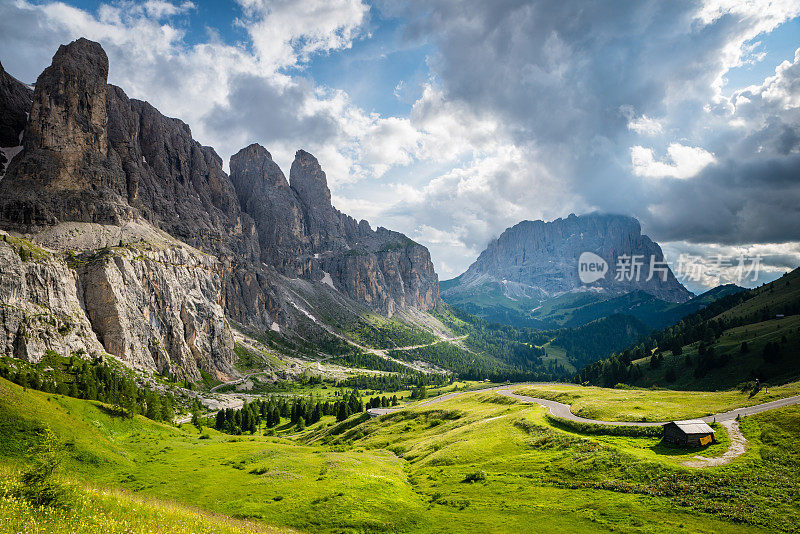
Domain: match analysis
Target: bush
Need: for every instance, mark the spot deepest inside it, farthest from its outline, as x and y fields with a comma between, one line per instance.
x=606, y=430
x=477, y=476
x=204, y=436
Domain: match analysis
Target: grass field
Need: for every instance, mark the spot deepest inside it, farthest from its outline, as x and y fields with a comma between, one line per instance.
x=111, y=512
x=407, y=472
x=607, y=404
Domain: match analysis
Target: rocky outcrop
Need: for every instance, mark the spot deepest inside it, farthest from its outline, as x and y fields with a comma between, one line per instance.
x=155, y=309
x=158, y=309
x=303, y=235
x=65, y=172
x=265, y=195
x=40, y=306
x=98, y=169
x=539, y=259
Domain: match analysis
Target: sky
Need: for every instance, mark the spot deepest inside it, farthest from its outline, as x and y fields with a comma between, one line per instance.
x=453, y=120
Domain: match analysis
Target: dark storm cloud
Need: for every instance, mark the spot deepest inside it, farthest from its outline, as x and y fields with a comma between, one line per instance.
x=560, y=75
x=260, y=108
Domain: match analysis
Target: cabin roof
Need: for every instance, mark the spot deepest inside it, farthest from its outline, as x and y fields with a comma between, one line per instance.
x=694, y=426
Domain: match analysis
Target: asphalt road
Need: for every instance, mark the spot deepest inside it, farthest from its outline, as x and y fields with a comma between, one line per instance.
x=562, y=410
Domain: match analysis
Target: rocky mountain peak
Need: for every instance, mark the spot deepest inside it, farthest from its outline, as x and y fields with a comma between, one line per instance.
x=66, y=171
x=69, y=102
x=540, y=259
x=309, y=180
x=255, y=162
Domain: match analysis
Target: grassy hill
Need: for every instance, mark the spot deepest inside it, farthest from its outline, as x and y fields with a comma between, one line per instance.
x=740, y=338
x=475, y=463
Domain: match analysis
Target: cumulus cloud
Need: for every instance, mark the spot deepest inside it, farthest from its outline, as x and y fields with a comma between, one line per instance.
x=683, y=161
x=287, y=32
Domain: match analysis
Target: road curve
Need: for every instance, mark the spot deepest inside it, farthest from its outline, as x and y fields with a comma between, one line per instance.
x=563, y=411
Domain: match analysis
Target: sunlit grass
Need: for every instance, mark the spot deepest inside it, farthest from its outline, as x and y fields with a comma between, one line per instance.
x=607, y=404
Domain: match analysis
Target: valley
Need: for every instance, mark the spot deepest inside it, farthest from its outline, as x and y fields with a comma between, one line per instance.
x=399, y=471
x=192, y=344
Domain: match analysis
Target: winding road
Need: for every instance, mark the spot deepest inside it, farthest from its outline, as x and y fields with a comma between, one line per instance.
x=737, y=447
x=563, y=411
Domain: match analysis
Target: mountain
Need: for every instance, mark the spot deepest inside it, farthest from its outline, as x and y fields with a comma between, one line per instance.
x=575, y=309
x=741, y=337
x=124, y=235
x=303, y=235
x=533, y=262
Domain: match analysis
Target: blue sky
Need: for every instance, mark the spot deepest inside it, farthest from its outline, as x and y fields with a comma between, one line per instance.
x=452, y=120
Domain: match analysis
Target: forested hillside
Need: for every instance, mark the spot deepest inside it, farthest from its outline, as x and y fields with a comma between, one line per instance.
x=743, y=337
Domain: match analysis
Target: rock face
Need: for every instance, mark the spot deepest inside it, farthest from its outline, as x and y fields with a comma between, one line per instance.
x=159, y=310
x=94, y=161
x=15, y=103
x=539, y=260
x=154, y=309
x=303, y=235
x=40, y=307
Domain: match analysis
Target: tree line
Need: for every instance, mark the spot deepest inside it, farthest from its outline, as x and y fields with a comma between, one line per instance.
x=298, y=410
x=94, y=380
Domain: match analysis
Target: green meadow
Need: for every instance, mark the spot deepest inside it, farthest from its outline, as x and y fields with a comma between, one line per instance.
x=475, y=463
x=620, y=404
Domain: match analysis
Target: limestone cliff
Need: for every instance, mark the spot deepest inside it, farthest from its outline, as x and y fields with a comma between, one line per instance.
x=151, y=247
x=155, y=308
x=537, y=260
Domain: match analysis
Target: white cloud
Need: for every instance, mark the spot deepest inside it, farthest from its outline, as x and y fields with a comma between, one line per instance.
x=287, y=32
x=683, y=161
x=159, y=9
x=644, y=125
x=783, y=88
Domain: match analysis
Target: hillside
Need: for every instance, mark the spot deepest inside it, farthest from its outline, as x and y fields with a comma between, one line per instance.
x=473, y=463
x=743, y=337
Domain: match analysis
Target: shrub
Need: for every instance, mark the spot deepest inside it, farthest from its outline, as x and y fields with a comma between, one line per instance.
x=204, y=436
x=40, y=483
x=477, y=476
x=607, y=430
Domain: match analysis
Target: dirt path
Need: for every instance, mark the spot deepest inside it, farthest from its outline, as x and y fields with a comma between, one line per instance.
x=735, y=449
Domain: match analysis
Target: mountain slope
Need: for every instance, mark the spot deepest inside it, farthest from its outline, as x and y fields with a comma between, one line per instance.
x=572, y=310
x=534, y=261
x=742, y=337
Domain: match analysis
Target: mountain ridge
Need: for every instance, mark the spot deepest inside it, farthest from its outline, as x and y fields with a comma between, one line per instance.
x=123, y=198
x=534, y=261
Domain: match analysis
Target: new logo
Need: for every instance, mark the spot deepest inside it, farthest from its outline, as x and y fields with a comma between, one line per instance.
x=591, y=267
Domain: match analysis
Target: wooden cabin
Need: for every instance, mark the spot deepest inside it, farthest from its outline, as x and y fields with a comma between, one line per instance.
x=694, y=433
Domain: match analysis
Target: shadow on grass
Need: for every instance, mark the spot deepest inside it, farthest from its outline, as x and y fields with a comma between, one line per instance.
x=664, y=448
x=112, y=411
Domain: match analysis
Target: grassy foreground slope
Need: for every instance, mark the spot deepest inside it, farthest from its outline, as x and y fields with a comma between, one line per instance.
x=475, y=463
x=113, y=512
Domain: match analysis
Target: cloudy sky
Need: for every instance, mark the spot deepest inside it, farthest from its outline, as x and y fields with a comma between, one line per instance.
x=452, y=120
